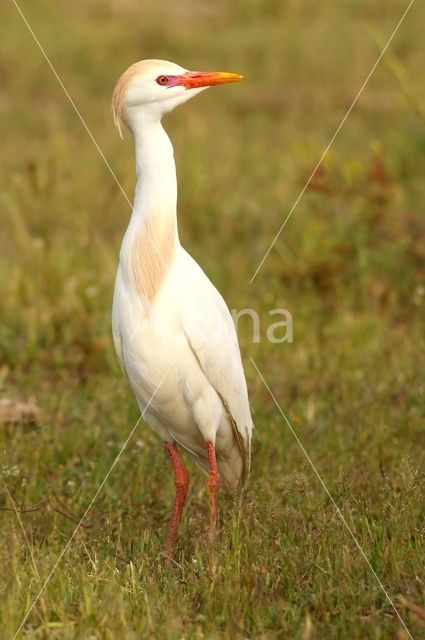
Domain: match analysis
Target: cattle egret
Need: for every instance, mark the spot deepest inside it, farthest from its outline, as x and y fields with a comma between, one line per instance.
x=172, y=330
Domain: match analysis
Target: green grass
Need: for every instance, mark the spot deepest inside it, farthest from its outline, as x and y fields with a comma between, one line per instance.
x=349, y=266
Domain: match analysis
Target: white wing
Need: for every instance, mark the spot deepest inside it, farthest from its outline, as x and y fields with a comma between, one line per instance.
x=211, y=334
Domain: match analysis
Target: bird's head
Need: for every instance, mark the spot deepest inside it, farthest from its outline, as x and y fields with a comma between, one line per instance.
x=154, y=87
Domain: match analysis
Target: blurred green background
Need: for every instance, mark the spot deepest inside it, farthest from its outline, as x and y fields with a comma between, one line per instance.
x=349, y=266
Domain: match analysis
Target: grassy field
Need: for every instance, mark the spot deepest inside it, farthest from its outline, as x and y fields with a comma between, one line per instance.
x=349, y=266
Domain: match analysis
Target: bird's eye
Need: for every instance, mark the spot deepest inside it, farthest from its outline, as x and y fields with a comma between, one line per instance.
x=162, y=80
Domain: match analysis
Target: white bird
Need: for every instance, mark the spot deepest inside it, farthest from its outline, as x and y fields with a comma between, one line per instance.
x=173, y=333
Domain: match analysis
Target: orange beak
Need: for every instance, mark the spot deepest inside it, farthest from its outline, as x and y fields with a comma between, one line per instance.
x=195, y=79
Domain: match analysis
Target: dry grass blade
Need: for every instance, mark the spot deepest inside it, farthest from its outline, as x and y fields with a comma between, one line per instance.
x=417, y=611
x=13, y=411
x=46, y=504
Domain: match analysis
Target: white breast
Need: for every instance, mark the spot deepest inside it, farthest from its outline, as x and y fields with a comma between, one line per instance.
x=182, y=347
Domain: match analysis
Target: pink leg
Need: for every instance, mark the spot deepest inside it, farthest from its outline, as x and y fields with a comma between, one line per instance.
x=181, y=481
x=212, y=484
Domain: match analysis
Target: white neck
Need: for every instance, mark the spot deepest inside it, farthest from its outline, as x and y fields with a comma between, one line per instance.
x=156, y=188
x=152, y=237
